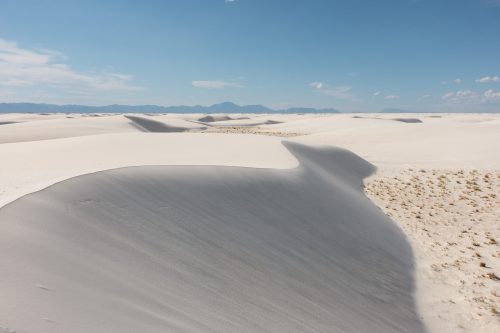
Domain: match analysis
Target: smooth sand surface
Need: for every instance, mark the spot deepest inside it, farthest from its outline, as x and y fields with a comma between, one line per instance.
x=451, y=141
x=31, y=166
x=456, y=248
x=208, y=249
x=156, y=124
x=44, y=129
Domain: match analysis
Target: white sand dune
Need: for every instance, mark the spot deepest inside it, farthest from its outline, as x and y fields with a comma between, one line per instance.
x=62, y=127
x=214, y=118
x=401, y=119
x=42, y=150
x=451, y=141
x=166, y=123
x=30, y=166
x=409, y=120
x=207, y=249
x=25, y=117
x=150, y=125
x=245, y=122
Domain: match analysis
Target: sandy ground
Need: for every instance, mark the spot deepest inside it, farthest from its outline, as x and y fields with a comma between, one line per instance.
x=452, y=220
x=437, y=178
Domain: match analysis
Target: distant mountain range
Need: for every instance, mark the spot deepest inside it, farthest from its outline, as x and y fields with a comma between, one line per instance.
x=397, y=111
x=226, y=107
x=413, y=111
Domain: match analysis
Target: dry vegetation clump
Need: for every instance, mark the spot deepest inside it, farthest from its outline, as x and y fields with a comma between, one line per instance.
x=250, y=130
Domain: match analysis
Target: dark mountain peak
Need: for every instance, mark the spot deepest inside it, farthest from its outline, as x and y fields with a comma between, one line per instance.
x=225, y=105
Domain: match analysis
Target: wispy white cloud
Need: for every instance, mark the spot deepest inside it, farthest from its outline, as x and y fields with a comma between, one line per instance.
x=214, y=84
x=339, y=92
x=229, y=1
x=472, y=97
x=377, y=93
x=391, y=97
x=426, y=96
x=22, y=68
x=461, y=96
x=488, y=79
x=316, y=85
x=492, y=95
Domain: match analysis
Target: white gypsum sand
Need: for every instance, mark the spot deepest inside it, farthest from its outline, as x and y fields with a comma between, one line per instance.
x=208, y=249
x=452, y=218
x=45, y=149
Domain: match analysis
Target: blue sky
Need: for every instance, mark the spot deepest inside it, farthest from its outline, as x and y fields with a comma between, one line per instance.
x=354, y=55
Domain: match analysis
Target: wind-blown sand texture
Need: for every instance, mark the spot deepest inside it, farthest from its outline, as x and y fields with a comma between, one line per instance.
x=208, y=249
x=93, y=237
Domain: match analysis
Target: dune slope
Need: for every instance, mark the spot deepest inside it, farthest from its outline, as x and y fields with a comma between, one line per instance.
x=207, y=249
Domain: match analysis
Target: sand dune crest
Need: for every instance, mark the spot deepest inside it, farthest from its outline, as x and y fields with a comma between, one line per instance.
x=205, y=248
